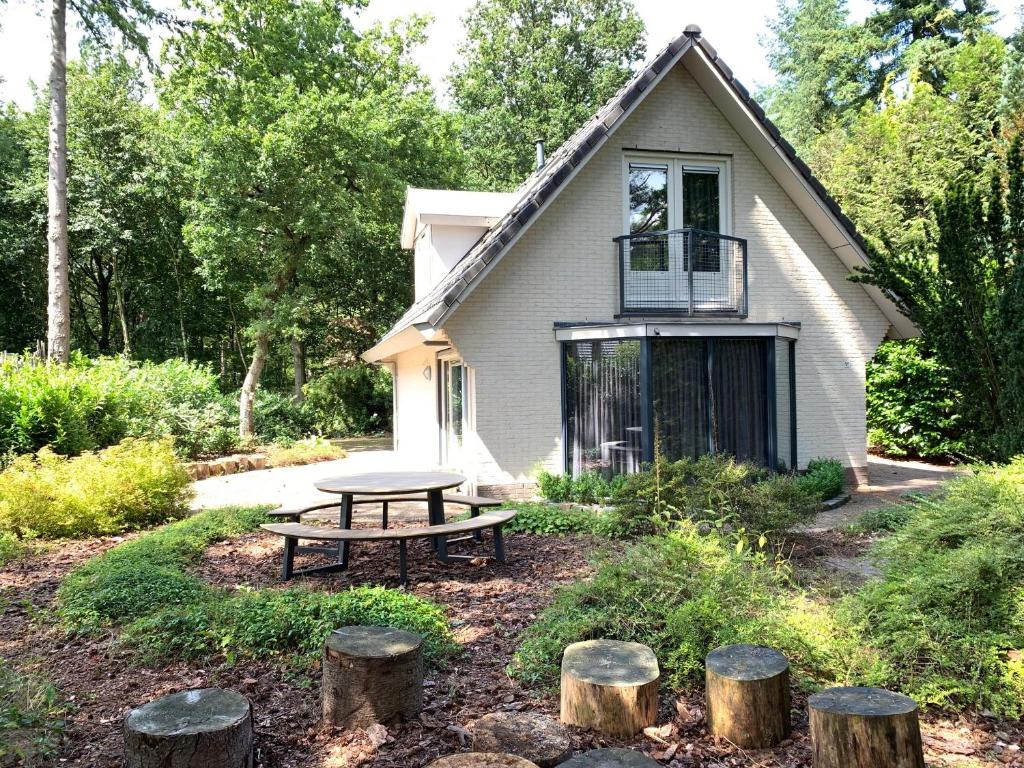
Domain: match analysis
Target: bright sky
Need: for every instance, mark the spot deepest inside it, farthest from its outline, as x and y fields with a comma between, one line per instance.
x=734, y=27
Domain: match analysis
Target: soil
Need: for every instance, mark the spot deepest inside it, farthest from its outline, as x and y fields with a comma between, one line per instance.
x=490, y=605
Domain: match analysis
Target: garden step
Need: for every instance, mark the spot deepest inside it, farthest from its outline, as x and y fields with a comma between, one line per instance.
x=372, y=675
x=864, y=728
x=206, y=728
x=481, y=760
x=534, y=737
x=611, y=758
x=748, y=695
x=609, y=686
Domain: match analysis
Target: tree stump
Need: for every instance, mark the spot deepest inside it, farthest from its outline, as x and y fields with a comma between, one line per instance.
x=207, y=728
x=610, y=687
x=481, y=760
x=371, y=675
x=536, y=738
x=611, y=758
x=864, y=728
x=748, y=695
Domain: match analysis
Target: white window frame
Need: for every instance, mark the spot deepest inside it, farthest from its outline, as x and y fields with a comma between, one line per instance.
x=677, y=161
x=447, y=358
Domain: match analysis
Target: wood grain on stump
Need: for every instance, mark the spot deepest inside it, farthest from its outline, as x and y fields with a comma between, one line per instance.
x=611, y=758
x=536, y=738
x=371, y=675
x=609, y=686
x=748, y=695
x=864, y=728
x=207, y=728
x=481, y=760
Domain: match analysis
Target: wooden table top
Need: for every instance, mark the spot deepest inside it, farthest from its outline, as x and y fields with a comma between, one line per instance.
x=385, y=483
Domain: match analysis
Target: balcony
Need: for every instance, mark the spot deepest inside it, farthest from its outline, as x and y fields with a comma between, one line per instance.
x=687, y=272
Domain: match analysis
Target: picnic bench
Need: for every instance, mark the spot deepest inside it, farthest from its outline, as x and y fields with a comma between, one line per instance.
x=294, y=531
x=475, y=504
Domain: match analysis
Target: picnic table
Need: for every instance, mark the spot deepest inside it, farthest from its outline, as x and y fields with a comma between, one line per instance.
x=390, y=486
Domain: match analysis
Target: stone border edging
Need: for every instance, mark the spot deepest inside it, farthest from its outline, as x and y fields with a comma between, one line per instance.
x=835, y=502
x=226, y=465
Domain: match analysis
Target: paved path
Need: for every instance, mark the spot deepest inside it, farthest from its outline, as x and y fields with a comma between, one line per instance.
x=889, y=480
x=294, y=486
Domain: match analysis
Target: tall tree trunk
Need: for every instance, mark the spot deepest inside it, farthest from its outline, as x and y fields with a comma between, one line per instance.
x=122, y=314
x=299, y=364
x=247, y=399
x=58, y=310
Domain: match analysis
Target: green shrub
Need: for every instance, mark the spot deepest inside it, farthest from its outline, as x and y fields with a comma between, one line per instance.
x=716, y=490
x=11, y=548
x=588, y=488
x=280, y=418
x=948, y=613
x=824, y=478
x=31, y=718
x=548, y=520
x=133, y=485
x=911, y=403
x=94, y=403
x=350, y=401
x=145, y=587
x=684, y=594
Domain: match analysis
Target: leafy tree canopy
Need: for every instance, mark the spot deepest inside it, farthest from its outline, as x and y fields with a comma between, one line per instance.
x=537, y=69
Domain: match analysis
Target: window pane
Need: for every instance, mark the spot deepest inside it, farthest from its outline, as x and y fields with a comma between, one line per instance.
x=648, y=198
x=680, y=383
x=700, y=201
x=455, y=401
x=602, y=401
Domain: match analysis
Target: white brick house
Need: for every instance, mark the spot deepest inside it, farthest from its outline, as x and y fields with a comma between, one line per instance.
x=672, y=274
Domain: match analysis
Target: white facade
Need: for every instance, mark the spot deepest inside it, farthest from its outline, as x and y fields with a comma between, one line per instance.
x=563, y=269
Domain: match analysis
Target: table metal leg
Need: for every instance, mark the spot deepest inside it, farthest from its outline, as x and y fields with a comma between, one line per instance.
x=435, y=514
x=345, y=522
x=384, y=514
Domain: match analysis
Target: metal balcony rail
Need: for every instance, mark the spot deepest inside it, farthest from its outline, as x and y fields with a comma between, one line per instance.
x=682, y=272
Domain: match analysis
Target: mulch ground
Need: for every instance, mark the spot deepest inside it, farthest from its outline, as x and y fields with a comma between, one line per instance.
x=490, y=605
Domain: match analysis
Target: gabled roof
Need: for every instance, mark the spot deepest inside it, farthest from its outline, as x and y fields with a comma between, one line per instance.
x=454, y=207
x=429, y=314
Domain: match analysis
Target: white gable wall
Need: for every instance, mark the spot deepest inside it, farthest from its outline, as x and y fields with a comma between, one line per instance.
x=439, y=247
x=564, y=268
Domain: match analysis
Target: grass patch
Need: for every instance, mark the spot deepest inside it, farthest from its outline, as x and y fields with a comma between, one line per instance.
x=549, y=520
x=129, y=486
x=882, y=520
x=31, y=718
x=308, y=451
x=11, y=548
x=145, y=588
x=948, y=613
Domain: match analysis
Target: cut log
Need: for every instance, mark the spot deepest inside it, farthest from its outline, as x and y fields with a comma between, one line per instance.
x=481, y=760
x=611, y=758
x=748, y=695
x=372, y=675
x=207, y=728
x=610, y=687
x=258, y=461
x=864, y=728
x=536, y=738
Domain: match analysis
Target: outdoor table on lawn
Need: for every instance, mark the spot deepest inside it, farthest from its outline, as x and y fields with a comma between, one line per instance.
x=391, y=484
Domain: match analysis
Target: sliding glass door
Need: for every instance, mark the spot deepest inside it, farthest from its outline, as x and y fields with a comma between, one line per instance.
x=688, y=396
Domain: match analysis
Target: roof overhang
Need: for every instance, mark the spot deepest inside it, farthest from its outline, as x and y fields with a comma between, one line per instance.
x=676, y=329
x=408, y=338
x=451, y=207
